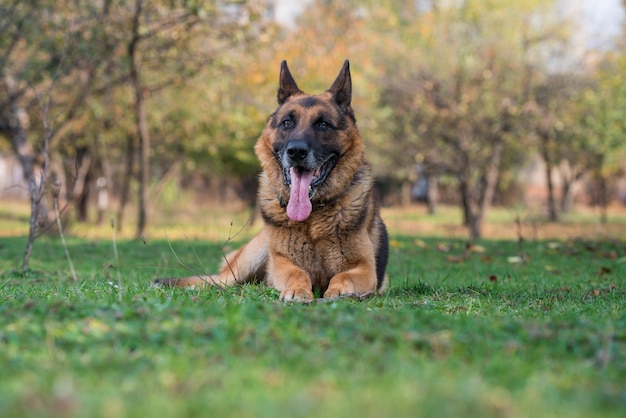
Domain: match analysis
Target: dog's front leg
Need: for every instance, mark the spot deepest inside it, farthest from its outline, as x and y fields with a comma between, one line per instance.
x=358, y=280
x=293, y=282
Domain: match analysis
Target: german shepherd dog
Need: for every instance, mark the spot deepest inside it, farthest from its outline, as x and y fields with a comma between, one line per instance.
x=322, y=228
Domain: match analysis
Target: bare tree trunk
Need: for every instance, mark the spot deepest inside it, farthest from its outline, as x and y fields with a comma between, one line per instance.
x=38, y=212
x=125, y=184
x=141, y=121
x=24, y=152
x=566, y=195
x=603, y=192
x=604, y=198
x=80, y=192
x=475, y=207
x=476, y=213
x=82, y=207
x=474, y=222
x=432, y=195
x=38, y=217
x=552, y=213
x=405, y=193
x=569, y=190
x=476, y=228
x=491, y=180
x=144, y=166
x=471, y=220
x=12, y=124
x=465, y=201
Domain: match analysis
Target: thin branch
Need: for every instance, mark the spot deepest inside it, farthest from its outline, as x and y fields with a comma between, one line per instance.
x=230, y=238
x=37, y=191
x=180, y=262
x=116, y=256
x=57, y=186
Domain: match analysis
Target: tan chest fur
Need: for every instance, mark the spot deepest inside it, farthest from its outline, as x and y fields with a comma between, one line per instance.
x=334, y=238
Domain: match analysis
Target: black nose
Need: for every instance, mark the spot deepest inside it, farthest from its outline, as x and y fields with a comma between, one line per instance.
x=297, y=150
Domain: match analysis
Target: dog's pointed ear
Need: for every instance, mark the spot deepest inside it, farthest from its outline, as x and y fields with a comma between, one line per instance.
x=342, y=87
x=287, y=86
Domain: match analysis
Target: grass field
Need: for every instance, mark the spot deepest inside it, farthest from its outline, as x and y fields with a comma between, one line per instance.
x=501, y=328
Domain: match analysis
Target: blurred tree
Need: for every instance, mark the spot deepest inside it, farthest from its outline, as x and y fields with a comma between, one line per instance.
x=458, y=87
x=575, y=114
x=602, y=126
x=50, y=53
x=46, y=71
x=220, y=113
x=90, y=52
x=169, y=43
x=547, y=112
x=457, y=93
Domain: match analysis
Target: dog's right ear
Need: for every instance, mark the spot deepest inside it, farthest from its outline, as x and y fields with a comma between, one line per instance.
x=342, y=87
x=287, y=86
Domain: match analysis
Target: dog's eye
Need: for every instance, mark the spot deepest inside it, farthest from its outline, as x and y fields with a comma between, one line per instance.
x=323, y=125
x=287, y=123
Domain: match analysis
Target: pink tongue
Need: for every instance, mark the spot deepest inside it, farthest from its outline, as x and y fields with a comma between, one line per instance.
x=299, y=206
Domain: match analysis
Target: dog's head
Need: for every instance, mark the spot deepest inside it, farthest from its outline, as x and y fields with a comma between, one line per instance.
x=310, y=147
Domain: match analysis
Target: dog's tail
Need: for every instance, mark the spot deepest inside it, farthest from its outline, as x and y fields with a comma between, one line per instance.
x=244, y=265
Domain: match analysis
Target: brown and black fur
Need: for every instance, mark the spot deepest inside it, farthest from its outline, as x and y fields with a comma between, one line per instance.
x=339, y=244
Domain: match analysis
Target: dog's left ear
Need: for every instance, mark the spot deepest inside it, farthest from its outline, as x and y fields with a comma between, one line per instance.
x=342, y=87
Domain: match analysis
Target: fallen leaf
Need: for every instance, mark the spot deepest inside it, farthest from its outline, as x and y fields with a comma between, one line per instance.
x=455, y=259
x=395, y=243
x=420, y=244
x=604, y=270
x=477, y=249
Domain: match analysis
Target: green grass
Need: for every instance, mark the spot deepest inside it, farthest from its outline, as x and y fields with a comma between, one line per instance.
x=460, y=333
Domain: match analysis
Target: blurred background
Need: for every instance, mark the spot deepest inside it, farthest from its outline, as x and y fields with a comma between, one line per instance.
x=135, y=111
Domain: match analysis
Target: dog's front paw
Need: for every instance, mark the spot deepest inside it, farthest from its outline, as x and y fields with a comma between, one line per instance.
x=335, y=292
x=296, y=294
x=339, y=288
